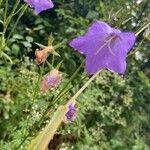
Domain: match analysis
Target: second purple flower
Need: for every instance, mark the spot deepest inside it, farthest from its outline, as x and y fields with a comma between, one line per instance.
x=40, y=5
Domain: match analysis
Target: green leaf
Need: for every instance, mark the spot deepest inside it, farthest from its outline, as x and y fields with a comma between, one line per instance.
x=7, y=57
x=18, y=37
x=1, y=22
x=40, y=45
x=55, y=53
x=29, y=39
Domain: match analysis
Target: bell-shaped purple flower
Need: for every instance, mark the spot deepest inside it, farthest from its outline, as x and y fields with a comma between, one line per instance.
x=40, y=5
x=104, y=47
x=71, y=114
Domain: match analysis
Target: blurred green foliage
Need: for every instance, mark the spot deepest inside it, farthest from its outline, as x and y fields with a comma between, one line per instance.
x=113, y=113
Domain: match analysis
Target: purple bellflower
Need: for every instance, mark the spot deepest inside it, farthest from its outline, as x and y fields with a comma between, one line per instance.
x=71, y=114
x=40, y=5
x=104, y=47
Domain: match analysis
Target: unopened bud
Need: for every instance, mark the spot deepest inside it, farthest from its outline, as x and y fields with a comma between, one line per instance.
x=41, y=55
x=71, y=114
x=51, y=80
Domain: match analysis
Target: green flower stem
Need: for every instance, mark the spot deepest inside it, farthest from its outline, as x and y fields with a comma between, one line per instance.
x=0, y=3
x=66, y=85
x=41, y=141
x=53, y=59
x=7, y=57
x=5, y=11
x=20, y=15
x=35, y=92
x=142, y=29
x=7, y=21
x=65, y=92
x=19, y=10
x=84, y=87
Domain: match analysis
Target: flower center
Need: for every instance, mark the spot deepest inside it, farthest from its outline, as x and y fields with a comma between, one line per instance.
x=107, y=42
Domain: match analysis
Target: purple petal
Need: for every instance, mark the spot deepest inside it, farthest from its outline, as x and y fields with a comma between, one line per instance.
x=117, y=62
x=120, y=48
x=116, y=31
x=40, y=5
x=92, y=40
x=97, y=62
x=129, y=39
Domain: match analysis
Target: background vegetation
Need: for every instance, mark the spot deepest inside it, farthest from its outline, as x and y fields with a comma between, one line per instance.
x=113, y=113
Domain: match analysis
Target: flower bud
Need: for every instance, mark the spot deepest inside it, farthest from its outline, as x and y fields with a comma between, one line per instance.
x=41, y=55
x=71, y=114
x=51, y=80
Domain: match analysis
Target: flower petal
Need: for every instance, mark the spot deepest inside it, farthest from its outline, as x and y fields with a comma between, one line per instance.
x=120, y=48
x=117, y=62
x=96, y=62
x=128, y=39
x=40, y=5
x=117, y=65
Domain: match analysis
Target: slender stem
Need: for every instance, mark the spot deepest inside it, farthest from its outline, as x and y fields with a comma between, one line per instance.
x=7, y=57
x=145, y=7
x=142, y=29
x=66, y=85
x=6, y=9
x=14, y=26
x=18, y=10
x=6, y=23
x=0, y=3
x=85, y=86
x=53, y=59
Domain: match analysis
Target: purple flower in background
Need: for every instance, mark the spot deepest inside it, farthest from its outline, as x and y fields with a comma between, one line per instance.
x=71, y=114
x=104, y=47
x=51, y=80
x=40, y=5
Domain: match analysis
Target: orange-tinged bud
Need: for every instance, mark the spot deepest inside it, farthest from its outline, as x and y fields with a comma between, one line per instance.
x=51, y=80
x=41, y=55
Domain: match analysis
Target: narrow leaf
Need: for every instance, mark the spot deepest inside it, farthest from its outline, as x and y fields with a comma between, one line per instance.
x=40, y=45
x=44, y=137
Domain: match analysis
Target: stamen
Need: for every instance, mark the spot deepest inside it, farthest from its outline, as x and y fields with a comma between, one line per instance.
x=101, y=48
x=107, y=43
x=110, y=50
